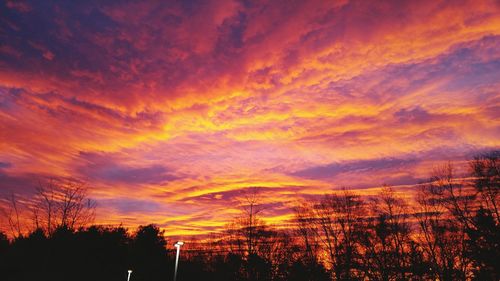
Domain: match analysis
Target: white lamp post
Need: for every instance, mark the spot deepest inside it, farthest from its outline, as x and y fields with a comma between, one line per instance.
x=178, y=246
x=129, y=272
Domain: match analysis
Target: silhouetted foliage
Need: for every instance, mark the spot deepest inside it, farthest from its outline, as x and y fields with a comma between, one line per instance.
x=148, y=254
x=450, y=231
x=484, y=246
x=309, y=271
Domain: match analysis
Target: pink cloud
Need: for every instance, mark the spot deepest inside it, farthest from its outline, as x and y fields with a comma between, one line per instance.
x=188, y=104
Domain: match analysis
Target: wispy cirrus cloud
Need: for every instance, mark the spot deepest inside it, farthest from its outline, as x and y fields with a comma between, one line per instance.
x=188, y=104
x=333, y=169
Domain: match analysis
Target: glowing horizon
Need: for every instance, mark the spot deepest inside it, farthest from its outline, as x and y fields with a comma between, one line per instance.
x=170, y=110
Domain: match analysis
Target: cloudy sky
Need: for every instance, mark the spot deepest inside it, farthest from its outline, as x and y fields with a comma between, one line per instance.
x=171, y=109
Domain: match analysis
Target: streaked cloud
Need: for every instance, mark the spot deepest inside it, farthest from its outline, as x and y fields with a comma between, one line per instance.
x=171, y=110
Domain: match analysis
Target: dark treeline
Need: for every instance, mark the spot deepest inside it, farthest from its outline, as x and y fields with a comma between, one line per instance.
x=448, y=229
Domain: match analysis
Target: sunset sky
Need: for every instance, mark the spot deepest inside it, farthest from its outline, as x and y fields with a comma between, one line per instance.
x=169, y=111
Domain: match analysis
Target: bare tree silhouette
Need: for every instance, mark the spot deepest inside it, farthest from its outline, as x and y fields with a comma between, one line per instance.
x=485, y=170
x=62, y=203
x=250, y=222
x=449, y=232
x=12, y=211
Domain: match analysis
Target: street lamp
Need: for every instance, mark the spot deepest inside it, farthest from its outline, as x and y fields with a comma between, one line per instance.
x=178, y=246
x=129, y=272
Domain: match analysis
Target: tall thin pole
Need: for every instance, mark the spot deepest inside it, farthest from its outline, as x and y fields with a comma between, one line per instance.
x=129, y=272
x=176, y=261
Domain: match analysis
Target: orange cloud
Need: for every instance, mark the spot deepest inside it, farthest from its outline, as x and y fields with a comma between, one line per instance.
x=171, y=110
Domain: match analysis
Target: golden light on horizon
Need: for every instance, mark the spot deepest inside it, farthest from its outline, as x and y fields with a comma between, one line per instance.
x=170, y=111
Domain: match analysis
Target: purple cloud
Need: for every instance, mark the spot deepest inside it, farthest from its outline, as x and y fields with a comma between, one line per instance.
x=415, y=115
x=4, y=165
x=130, y=205
x=106, y=168
x=20, y=184
x=336, y=168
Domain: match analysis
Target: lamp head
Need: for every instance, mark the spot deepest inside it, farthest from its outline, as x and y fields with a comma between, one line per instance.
x=129, y=271
x=178, y=244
